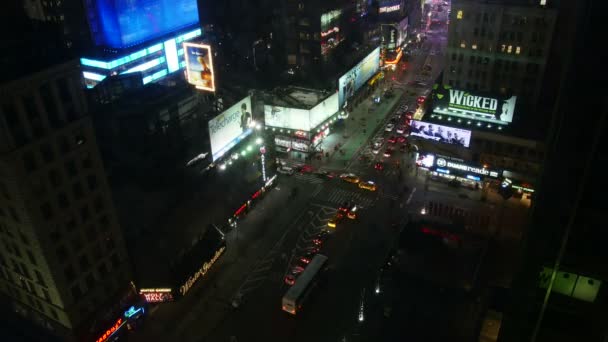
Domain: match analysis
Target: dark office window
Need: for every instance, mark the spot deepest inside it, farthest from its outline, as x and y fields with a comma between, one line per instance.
x=33, y=116
x=50, y=106
x=77, y=190
x=14, y=124
x=14, y=214
x=64, y=144
x=92, y=181
x=90, y=280
x=99, y=204
x=71, y=169
x=85, y=214
x=29, y=161
x=47, y=153
x=39, y=278
x=76, y=291
x=62, y=200
x=62, y=253
x=87, y=161
x=77, y=243
x=55, y=177
x=84, y=262
x=70, y=225
x=115, y=261
x=30, y=255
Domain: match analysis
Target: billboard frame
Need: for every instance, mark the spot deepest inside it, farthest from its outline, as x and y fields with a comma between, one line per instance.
x=190, y=45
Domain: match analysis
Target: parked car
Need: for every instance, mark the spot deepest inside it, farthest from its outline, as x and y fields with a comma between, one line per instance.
x=389, y=127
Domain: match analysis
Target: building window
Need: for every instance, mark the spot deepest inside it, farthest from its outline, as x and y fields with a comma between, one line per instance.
x=55, y=178
x=459, y=14
x=63, y=200
x=87, y=162
x=510, y=49
x=40, y=278
x=76, y=292
x=474, y=46
x=71, y=169
x=517, y=50
x=92, y=181
x=77, y=190
x=463, y=44
x=30, y=255
x=84, y=262
x=99, y=204
x=503, y=48
x=85, y=214
x=47, y=153
x=62, y=253
x=29, y=162
x=301, y=6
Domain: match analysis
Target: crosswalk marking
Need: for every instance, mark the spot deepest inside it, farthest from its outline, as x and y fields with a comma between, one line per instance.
x=312, y=179
x=339, y=196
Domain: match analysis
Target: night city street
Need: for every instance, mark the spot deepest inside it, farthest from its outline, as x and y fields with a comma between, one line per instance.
x=311, y=170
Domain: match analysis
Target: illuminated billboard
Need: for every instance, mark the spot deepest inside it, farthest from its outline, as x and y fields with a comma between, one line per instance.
x=440, y=133
x=357, y=76
x=122, y=23
x=199, y=66
x=301, y=119
x=468, y=105
x=229, y=128
x=157, y=295
x=447, y=163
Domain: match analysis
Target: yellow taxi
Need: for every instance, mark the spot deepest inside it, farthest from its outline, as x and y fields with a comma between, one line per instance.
x=333, y=222
x=350, y=177
x=369, y=185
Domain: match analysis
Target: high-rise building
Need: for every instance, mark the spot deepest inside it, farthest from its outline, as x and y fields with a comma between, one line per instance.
x=138, y=37
x=67, y=18
x=560, y=291
x=63, y=261
x=499, y=47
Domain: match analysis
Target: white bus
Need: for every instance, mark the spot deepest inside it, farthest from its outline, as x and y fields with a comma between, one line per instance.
x=296, y=295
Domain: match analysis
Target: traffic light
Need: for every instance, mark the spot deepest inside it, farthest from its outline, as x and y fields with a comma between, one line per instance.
x=506, y=189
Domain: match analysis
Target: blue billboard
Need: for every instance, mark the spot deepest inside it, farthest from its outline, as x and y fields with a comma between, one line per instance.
x=123, y=23
x=357, y=76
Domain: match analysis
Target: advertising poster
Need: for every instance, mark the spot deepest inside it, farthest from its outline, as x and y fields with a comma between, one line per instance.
x=440, y=133
x=474, y=106
x=357, y=76
x=323, y=110
x=199, y=66
x=229, y=128
x=290, y=118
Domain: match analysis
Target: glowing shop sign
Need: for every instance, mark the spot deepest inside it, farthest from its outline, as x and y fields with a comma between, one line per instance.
x=201, y=272
x=111, y=331
x=388, y=9
x=441, y=162
x=263, y=167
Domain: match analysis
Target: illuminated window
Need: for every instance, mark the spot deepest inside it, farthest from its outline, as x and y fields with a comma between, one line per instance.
x=459, y=15
x=474, y=46
x=543, y=2
x=463, y=44
x=503, y=47
x=301, y=6
x=517, y=50
x=510, y=48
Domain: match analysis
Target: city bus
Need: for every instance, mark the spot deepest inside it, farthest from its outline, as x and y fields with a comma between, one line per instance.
x=306, y=282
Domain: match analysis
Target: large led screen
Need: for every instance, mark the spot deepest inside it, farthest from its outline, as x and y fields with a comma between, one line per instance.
x=229, y=128
x=440, y=133
x=123, y=23
x=290, y=118
x=358, y=75
x=467, y=105
x=199, y=66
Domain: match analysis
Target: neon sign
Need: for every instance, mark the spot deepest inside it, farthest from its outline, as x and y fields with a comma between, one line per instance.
x=263, y=159
x=201, y=272
x=111, y=331
x=388, y=9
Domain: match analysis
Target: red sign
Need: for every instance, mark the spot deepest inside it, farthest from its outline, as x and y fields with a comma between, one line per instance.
x=111, y=331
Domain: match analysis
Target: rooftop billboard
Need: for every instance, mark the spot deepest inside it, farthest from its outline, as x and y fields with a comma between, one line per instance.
x=229, y=128
x=199, y=66
x=440, y=133
x=357, y=76
x=301, y=119
x=473, y=106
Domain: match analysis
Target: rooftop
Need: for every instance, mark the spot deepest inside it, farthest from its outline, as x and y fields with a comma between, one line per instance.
x=297, y=97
